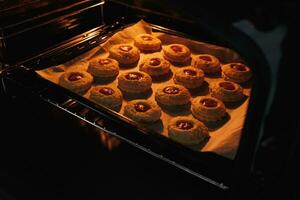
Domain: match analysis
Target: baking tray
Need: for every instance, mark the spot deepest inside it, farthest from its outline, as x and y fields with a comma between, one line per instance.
x=224, y=135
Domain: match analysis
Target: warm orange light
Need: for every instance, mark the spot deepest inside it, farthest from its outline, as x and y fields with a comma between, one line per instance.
x=108, y=141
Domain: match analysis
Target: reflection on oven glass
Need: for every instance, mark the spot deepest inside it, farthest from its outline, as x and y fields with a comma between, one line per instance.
x=108, y=141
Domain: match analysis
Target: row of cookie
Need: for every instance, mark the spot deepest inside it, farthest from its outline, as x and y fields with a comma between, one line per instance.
x=185, y=130
x=136, y=82
x=127, y=54
x=177, y=53
x=190, y=77
x=204, y=108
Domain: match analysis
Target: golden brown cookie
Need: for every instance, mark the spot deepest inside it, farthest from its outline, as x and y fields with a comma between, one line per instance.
x=147, y=42
x=189, y=77
x=227, y=91
x=208, y=109
x=177, y=53
x=155, y=66
x=208, y=63
x=104, y=67
x=187, y=130
x=134, y=82
x=76, y=81
x=125, y=53
x=236, y=72
x=144, y=111
x=172, y=95
x=107, y=96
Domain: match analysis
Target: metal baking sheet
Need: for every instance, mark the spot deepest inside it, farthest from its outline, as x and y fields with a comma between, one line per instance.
x=224, y=135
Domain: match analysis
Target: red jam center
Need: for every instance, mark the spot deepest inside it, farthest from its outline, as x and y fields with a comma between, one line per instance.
x=238, y=67
x=104, y=61
x=209, y=103
x=190, y=72
x=176, y=49
x=227, y=86
x=154, y=61
x=171, y=90
x=206, y=58
x=184, y=125
x=146, y=38
x=140, y=107
x=125, y=48
x=133, y=76
x=106, y=91
x=75, y=77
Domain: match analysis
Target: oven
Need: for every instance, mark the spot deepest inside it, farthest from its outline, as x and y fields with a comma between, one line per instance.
x=61, y=144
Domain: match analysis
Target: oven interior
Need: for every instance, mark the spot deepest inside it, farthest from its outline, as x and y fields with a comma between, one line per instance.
x=21, y=83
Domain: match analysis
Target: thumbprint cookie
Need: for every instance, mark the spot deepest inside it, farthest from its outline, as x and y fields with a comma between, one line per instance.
x=155, y=66
x=172, y=95
x=208, y=63
x=134, y=82
x=208, y=109
x=141, y=110
x=187, y=130
x=227, y=91
x=107, y=96
x=125, y=53
x=147, y=43
x=104, y=68
x=76, y=81
x=236, y=72
x=189, y=77
x=177, y=53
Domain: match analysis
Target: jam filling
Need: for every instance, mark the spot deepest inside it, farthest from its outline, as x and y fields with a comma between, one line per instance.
x=190, y=72
x=75, y=77
x=104, y=61
x=140, y=107
x=176, y=49
x=106, y=91
x=171, y=90
x=206, y=58
x=146, y=38
x=238, y=67
x=227, y=85
x=184, y=125
x=154, y=61
x=125, y=48
x=209, y=103
x=133, y=76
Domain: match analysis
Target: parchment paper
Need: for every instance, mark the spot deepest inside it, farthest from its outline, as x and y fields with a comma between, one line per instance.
x=224, y=135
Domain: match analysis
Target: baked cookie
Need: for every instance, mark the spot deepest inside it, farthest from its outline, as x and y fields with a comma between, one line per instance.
x=172, y=95
x=134, y=82
x=187, y=130
x=208, y=63
x=208, y=109
x=125, y=53
x=147, y=42
x=144, y=111
x=189, y=77
x=76, y=81
x=104, y=68
x=227, y=91
x=155, y=66
x=107, y=96
x=236, y=72
x=177, y=53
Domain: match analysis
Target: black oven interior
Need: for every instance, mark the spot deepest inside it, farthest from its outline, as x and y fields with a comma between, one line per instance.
x=62, y=140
